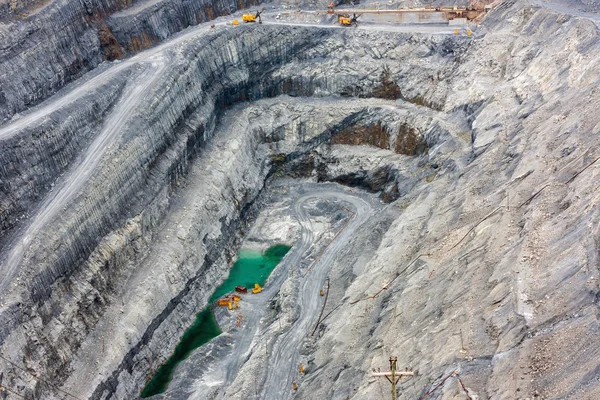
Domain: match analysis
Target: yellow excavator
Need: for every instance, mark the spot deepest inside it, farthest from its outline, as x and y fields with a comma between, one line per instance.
x=253, y=17
x=347, y=20
x=257, y=289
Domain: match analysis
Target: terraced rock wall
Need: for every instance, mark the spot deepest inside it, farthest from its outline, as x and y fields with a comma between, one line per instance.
x=75, y=271
x=45, y=51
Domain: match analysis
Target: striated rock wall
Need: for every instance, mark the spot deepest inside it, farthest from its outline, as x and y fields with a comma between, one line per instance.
x=169, y=128
x=98, y=224
x=33, y=158
x=145, y=24
x=491, y=269
x=42, y=53
x=105, y=236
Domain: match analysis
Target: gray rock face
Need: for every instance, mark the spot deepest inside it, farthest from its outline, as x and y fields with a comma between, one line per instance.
x=49, y=49
x=33, y=158
x=104, y=215
x=484, y=262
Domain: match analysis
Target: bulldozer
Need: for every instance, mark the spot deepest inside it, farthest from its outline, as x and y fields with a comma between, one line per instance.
x=253, y=17
x=347, y=20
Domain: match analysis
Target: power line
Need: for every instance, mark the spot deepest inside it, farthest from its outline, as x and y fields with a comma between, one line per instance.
x=393, y=376
x=455, y=375
x=39, y=378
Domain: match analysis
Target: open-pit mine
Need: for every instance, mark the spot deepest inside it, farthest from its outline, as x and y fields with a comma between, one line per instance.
x=297, y=199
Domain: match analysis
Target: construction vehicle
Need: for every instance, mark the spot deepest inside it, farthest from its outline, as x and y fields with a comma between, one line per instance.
x=235, y=22
x=257, y=289
x=253, y=18
x=226, y=302
x=347, y=20
x=236, y=301
x=230, y=302
x=330, y=8
x=241, y=289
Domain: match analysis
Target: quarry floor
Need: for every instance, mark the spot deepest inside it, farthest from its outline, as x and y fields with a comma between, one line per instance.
x=318, y=221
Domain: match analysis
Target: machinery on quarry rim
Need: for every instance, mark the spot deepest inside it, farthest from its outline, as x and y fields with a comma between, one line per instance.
x=347, y=20
x=448, y=13
x=253, y=17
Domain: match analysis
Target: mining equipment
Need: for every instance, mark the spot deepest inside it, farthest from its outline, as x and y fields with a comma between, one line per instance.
x=241, y=289
x=402, y=14
x=253, y=17
x=230, y=302
x=225, y=302
x=347, y=20
x=257, y=289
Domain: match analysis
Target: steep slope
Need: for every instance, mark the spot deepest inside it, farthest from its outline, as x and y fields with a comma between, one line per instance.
x=57, y=44
x=72, y=264
x=484, y=262
x=491, y=270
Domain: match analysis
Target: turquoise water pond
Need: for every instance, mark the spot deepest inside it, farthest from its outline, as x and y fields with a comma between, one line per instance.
x=251, y=267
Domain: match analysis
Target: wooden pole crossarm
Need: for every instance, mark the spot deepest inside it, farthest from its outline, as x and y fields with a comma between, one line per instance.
x=393, y=375
x=389, y=373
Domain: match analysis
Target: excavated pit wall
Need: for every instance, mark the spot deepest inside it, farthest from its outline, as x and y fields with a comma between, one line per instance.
x=94, y=245
x=174, y=127
x=407, y=131
x=491, y=270
x=47, y=50
x=261, y=143
x=498, y=261
x=536, y=124
x=33, y=158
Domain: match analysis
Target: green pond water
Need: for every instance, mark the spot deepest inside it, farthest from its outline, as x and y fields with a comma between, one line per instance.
x=251, y=267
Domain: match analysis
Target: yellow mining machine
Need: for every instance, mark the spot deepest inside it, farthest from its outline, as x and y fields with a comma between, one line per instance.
x=347, y=20
x=253, y=17
x=257, y=289
x=230, y=302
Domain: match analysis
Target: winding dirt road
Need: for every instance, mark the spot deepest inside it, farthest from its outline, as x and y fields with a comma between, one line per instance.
x=217, y=366
x=283, y=361
x=210, y=372
x=81, y=172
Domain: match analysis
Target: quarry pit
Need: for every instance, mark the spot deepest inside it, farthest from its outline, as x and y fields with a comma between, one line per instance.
x=435, y=184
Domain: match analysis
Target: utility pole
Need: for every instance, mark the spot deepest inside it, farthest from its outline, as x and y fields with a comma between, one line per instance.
x=394, y=376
